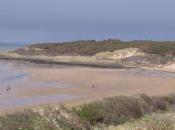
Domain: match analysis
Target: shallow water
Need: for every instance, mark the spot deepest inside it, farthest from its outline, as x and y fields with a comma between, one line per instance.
x=14, y=76
x=9, y=47
x=13, y=73
x=8, y=75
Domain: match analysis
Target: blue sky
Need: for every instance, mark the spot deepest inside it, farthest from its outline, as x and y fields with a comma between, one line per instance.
x=67, y=20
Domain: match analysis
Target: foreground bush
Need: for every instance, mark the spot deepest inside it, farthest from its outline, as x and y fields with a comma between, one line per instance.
x=111, y=111
x=63, y=118
x=117, y=110
x=153, y=122
x=26, y=120
x=49, y=118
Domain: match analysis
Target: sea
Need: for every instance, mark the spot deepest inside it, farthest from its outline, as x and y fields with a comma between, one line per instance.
x=10, y=46
x=7, y=71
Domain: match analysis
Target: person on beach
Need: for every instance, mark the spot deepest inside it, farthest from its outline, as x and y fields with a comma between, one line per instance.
x=93, y=86
x=8, y=89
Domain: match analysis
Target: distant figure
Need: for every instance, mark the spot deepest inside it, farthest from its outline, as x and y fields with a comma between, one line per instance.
x=8, y=89
x=93, y=86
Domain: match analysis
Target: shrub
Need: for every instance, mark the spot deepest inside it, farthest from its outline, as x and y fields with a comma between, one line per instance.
x=120, y=109
x=93, y=112
x=153, y=104
x=64, y=119
x=26, y=120
x=110, y=111
x=117, y=110
x=154, y=124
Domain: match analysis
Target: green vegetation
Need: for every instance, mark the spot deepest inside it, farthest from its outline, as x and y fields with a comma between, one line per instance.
x=50, y=118
x=92, y=47
x=154, y=123
x=117, y=110
x=158, y=121
x=26, y=120
x=110, y=114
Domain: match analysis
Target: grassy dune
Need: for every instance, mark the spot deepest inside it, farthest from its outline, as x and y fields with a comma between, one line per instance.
x=140, y=112
x=107, y=53
x=89, y=48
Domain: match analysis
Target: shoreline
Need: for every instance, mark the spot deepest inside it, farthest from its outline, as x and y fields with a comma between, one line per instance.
x=84, y=61
x=109, y=82
x=75, y=62
x=63, y=60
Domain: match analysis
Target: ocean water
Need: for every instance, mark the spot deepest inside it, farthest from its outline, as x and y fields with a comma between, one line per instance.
x=14, y=75
x=9, y=47
x=8, y=74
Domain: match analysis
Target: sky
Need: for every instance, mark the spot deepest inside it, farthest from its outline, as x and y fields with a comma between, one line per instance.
x=29, y=21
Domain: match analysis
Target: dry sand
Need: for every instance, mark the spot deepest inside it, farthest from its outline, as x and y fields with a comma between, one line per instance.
x=107, y=82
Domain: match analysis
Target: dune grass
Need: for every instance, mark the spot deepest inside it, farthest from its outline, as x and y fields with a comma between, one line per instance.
x=91, y=47
x=119, y=113
x=157, y=121
x=117, y=110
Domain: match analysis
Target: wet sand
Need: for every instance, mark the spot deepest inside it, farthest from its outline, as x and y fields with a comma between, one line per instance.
x=70, y=85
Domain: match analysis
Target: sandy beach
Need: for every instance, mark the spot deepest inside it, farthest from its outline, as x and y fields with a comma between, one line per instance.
x=107, y=82
x=73, y=85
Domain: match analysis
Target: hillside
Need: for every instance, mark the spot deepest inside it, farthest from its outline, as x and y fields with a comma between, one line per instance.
x=107, y=53
x=89, y=48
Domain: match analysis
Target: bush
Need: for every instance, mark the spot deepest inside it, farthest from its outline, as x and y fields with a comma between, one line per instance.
x=117, y=110
x=153, y=104
x=154, y=124
x=120, y=109
x=93, y=113
x=26, y=120
x=64, y=119
x=110, y=111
